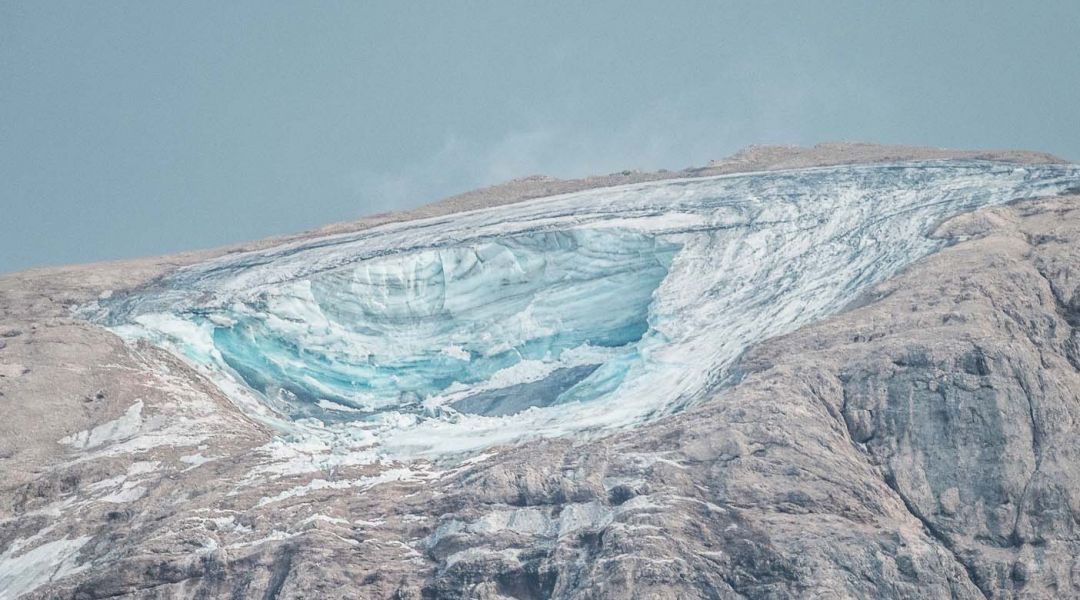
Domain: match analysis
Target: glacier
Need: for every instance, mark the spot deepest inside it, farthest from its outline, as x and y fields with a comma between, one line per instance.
x=580, y=313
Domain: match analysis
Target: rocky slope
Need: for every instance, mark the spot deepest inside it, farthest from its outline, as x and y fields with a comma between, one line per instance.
x=920, y=443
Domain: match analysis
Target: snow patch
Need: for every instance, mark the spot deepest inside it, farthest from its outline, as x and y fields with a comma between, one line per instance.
x=363, y=483
x=46, y=563
x=119, y=429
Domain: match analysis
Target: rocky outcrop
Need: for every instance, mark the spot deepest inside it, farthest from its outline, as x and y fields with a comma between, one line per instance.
x=920, y=444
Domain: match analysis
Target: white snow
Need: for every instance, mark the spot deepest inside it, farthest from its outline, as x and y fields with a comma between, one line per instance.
x=388, y=475
x=122, y=428
x=24, y=572
x=195, y=460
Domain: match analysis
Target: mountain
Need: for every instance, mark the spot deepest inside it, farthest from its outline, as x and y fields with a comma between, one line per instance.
x=842, y=371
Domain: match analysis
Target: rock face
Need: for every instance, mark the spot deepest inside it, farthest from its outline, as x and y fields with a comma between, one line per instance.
x=921, y=443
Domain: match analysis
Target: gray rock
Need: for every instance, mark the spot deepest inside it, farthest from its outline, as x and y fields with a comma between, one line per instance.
x=922, y=444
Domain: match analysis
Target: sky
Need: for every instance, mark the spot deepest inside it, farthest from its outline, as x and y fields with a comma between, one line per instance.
x=139, y=128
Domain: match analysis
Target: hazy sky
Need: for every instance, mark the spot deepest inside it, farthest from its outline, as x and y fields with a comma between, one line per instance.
x=135, y=128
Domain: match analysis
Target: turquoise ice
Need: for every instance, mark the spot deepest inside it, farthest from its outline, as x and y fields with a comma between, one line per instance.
x=393, y=331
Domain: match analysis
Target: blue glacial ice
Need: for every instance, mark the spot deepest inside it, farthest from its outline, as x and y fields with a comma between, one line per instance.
x=394, y=331
x=576, y=313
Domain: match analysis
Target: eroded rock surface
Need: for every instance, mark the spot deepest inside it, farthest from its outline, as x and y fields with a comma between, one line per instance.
x=920, y=444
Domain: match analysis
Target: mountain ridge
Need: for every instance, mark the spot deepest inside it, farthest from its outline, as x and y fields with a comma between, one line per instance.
x=918, y=444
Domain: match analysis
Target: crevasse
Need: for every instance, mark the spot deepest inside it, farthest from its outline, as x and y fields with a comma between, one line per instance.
x=575, y=313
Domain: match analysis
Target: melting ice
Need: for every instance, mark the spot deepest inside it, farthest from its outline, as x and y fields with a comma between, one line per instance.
x=575, y=313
